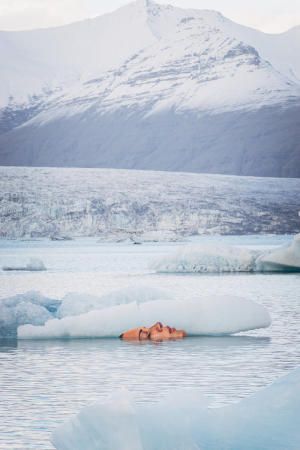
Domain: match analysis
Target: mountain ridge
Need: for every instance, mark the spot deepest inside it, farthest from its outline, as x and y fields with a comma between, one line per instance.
x=148, y=103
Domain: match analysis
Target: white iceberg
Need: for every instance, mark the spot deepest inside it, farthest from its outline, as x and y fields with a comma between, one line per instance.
x=222, y=258
x=218, y=315
x=32, y=315
x=34, y=264
x=207, y=258
x=282, y=259
x=35, y=309
x=267, y=420
x=74, y=303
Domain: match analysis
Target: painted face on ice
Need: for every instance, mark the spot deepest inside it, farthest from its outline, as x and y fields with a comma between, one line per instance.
x=158, y=332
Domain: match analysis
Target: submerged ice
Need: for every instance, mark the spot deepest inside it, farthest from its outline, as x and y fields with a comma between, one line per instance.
x=267, y=420
x=222, y=258
x=33, y=316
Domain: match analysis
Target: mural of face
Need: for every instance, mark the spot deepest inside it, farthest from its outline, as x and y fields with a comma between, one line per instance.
x=157, y=332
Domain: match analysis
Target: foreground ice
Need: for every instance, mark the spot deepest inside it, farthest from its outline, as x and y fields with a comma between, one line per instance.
x=33, y=265
x=222, y=258
x=34, y=308
x=32, y=315
x=268, y=420
x=200, y=316
x=74, y=303
x=31, y=307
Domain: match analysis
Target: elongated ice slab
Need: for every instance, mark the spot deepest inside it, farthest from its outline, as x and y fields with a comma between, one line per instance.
x=32, y=315
x=268, y=420
x=222, y=258
x=201, y=316
x=35, y=309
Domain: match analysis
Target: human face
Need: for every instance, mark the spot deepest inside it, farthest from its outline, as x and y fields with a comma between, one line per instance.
x=136, y=334
x=159, y=332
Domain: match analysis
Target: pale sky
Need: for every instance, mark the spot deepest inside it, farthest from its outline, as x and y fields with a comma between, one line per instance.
x=271, y=16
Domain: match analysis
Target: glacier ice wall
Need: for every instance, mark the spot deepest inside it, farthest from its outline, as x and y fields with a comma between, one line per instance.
x=267, y=420
x=117, y=204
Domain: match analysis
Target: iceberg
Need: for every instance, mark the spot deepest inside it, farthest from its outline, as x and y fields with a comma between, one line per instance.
x=222, y=258
x=31, y=307
x=77, y=315
x=267, y=420
x=218, y=315
x=35, y=309
x=34, y=264
x=74, y=304
x=207, y=258
x=282, y=259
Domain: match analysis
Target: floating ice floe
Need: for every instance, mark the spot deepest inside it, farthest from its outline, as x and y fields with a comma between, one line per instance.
x=267, y=420
x=34, y=316
x=31, y=307
x=74, y=303
x=218, y=315
x=222, y=258
x=35, y=309
x=33, y=265
x=286, y=258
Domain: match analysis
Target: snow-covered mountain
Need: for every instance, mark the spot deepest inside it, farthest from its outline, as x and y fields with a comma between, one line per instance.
x=122, y=204
x=152, y=87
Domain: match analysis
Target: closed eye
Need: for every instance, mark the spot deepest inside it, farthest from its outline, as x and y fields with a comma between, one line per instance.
x=143, y=334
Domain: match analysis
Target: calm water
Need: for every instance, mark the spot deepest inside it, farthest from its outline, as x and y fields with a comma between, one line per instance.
x=43, y=382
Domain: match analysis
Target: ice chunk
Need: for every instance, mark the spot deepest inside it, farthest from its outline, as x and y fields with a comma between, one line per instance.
x=85, y=432
x=286, y=258
x=267, y=420
x=207, y=258
x=202, y=316
x=34, y=264
x=222, y=258
x=78, y=303
x=34, y=308
x=28, y=308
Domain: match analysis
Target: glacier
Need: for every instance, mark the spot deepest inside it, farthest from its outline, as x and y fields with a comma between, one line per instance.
x=142, y=205
x=267, y=420
x=221, y=258
x=34, y=316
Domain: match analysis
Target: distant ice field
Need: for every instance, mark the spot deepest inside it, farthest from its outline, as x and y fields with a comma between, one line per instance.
x=47, y=381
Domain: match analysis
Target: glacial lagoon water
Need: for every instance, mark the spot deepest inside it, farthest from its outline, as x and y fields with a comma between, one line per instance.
x=42, y=383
